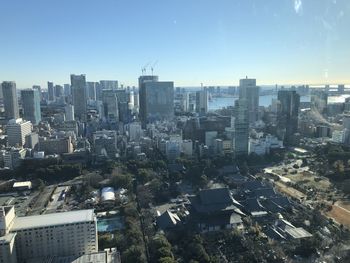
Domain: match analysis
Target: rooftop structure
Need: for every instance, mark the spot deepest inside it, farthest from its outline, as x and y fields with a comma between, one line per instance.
x=107, y=194
x=37, y=221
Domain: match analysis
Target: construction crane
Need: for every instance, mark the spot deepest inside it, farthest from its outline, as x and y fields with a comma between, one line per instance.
x=144, y=68
x=154, y=64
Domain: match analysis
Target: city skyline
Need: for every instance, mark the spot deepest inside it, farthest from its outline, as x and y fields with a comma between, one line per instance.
x=303, y=42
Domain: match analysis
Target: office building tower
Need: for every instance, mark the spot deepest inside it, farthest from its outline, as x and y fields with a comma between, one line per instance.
x=250, y=92
x=131, y=100
x=10, y=100
x=319, y=101
x=58, y=91
x=17, y=130
x=109, y=84
x=78, y=86
x=287, y=116
x=31, y=105
x=110, y=106
x=241, y=124
x=123, y=105
x=91, y=90
x=202, y=101
x=98, y=89
x=67, y=90
x=32, y=141
x=69, y=112
x=141, y=102
x=51, y=91
x=41, y=237
x=156, y=99
x=341, y=88
x=327, y=88
x=37, y=87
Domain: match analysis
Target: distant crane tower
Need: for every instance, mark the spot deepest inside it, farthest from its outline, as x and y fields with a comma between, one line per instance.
x=154, y=64
x=144, y=68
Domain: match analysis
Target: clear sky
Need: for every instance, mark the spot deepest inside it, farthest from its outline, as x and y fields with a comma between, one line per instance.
x=194, y=41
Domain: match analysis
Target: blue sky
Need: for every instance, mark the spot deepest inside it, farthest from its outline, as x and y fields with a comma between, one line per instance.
x=214, y=42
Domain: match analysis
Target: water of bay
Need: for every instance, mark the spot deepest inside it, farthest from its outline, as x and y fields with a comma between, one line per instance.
x=217, y=103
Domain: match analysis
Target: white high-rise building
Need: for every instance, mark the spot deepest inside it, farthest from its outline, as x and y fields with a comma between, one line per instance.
x=69, y=112
x=135, y=131
x=42, y=236
x=17, y=130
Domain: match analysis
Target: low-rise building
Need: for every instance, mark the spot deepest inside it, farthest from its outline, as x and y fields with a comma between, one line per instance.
x=55, y=145
x=13, y=157
x=214, y=209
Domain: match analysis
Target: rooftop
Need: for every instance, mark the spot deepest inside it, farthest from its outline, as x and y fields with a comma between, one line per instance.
x=22, y=184
x=6, y=239
x=297, y=232
x=53, y=219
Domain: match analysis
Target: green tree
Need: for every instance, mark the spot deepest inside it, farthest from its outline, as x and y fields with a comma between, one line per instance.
x=134, y=254
x=167, y=260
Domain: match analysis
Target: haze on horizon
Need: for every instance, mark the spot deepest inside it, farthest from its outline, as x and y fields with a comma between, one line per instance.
x=193, y=42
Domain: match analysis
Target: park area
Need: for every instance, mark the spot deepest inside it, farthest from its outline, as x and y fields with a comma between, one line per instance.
x=340, y=213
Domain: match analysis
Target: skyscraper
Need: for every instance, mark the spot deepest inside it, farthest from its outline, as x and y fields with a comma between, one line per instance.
x=58, y=91
x=78, y=86
x=142, y=96
x=202, y=101
x=10, y=100
x=50, y=91
x=123, y=100
x=250, y=92
x=156, y=99
x=319, y=101
x=110, y=106
x=31, y=105
x=287, y=117
x=37, y=87
x=241, y=125
x=109, y=84
x=67, y=90
x=91, y=90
